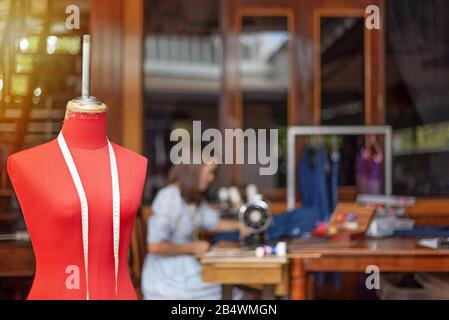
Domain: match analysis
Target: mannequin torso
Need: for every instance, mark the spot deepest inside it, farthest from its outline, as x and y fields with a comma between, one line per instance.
x=52, y=210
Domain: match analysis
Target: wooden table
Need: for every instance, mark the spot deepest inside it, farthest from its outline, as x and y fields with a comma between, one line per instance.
x=267, y=272
x=16, y=259
x=270, y=274
x=17, y=262
x=390, y=255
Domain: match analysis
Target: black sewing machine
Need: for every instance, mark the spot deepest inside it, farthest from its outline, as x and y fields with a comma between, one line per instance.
x=256, y=216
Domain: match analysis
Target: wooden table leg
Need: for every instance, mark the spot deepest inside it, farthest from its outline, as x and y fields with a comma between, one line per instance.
x=226, y=291
x=310, y=293
x=268, y=292
x=298, y=280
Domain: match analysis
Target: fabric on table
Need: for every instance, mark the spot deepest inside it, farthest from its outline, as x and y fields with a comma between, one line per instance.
x=290, y=224
x=424, y=232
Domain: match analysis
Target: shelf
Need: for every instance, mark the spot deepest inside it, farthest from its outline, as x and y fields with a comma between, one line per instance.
x=420, y=152
x=6, y=193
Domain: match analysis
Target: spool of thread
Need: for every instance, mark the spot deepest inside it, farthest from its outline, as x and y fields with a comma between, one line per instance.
x=223, y=194
x=280, y=250
x=251, y=192
x=234, y=196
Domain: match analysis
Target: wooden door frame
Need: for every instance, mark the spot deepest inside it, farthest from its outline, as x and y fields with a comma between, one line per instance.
x=374, y=60
x=132, y=102
x=117, y=46
x=288, y=13
x=231, y=104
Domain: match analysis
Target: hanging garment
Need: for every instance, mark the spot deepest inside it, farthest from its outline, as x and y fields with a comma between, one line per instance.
x=334, y=179
x=319, y=177
x=313, y=182
x=369, y=173
x=84, y=207
x=375, y=177
x=362, y=171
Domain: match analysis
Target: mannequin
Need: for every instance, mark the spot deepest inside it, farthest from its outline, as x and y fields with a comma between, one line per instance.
x=52, y=209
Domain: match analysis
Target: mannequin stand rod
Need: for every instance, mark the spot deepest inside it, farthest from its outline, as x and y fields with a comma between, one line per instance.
x=85, y=85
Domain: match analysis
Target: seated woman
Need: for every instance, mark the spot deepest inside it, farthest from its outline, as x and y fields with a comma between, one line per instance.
x=171, y=269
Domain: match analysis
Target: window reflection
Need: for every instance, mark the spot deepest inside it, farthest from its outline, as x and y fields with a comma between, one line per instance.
x=39, y=69
x=265, y=86
x=182, y=75
x=417, y=71
x=342, y=71
x=342, y=95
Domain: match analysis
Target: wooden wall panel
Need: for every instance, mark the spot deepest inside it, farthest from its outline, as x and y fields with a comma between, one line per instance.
x=374, y=54
x=231, y=105
x=117, y=30
x=228, y=112
x=132, y=97
x=107, y=59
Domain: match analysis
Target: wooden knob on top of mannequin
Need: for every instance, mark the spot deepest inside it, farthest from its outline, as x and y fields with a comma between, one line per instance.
x=86, y=105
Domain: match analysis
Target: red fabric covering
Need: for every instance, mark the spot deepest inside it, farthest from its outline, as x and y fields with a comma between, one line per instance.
x=52, y=212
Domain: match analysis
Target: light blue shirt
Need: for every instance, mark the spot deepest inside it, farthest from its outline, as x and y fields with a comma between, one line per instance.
x=176, y=277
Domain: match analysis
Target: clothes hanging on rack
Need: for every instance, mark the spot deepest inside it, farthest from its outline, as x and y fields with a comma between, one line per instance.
x=362, y=171
x=369, y=172
x=334, y=180
x=318, y=177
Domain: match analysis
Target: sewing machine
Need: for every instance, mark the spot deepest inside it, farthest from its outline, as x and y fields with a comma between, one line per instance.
x=255, y=214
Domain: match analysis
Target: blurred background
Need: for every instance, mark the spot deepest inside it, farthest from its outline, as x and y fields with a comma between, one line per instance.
x=160, y=64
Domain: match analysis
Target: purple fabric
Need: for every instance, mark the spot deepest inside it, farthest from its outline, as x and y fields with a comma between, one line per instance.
x=362, y=171
x=369, y=173
x=375, y=177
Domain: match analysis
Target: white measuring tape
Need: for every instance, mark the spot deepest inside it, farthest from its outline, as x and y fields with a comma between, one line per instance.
x=85, y=211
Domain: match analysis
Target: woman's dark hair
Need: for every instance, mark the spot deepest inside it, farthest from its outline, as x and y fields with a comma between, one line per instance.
x=187, y=178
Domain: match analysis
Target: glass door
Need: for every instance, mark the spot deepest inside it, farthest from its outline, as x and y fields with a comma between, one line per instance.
x=348, y=79
x=260, y=84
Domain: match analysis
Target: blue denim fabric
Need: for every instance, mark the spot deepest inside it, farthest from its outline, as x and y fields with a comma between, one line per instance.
x=318, y=189
x=290, y=224
x=334, y=174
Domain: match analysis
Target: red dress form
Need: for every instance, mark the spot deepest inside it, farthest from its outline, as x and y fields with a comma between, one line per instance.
x=52, y=210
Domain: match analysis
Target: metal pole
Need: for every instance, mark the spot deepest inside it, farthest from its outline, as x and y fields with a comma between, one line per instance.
x=291, y=172
x=85, y=84
x=388, y=162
